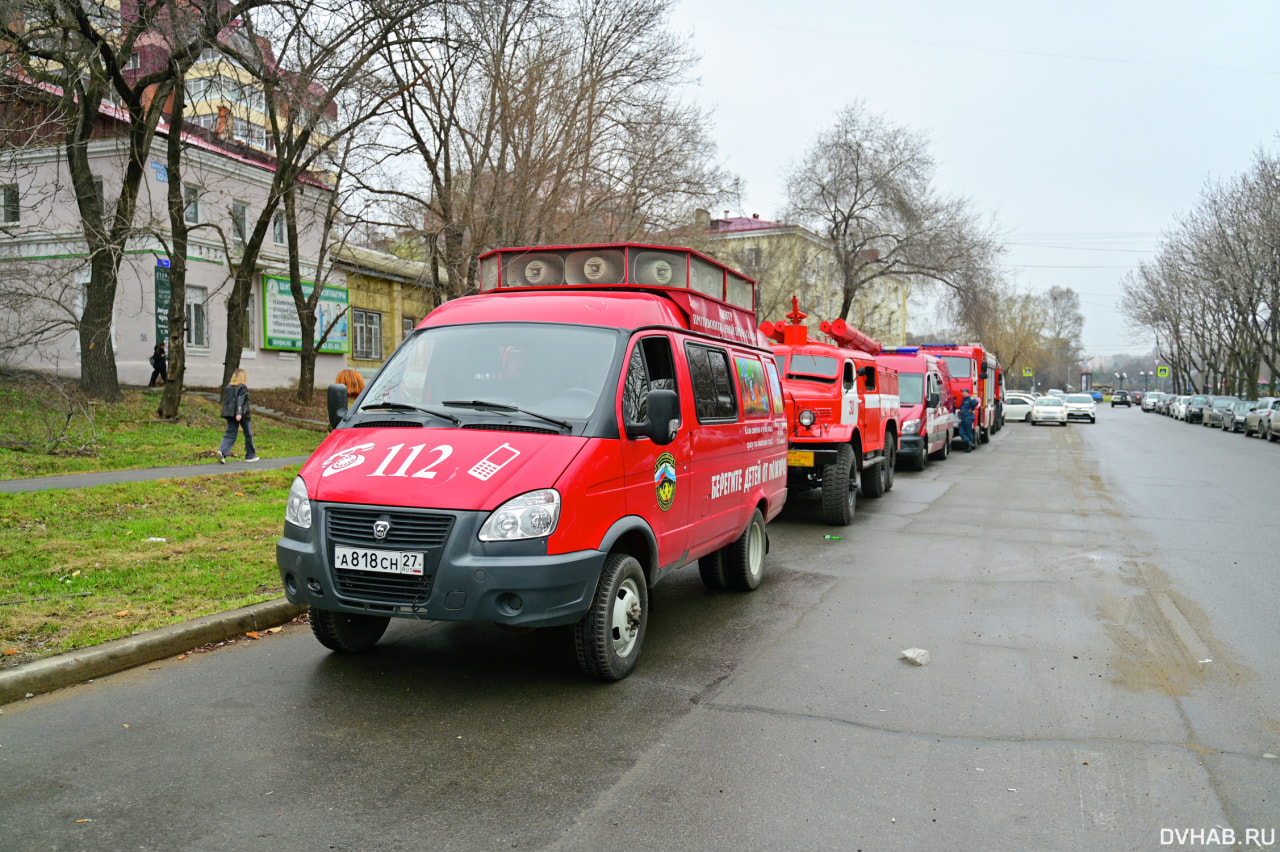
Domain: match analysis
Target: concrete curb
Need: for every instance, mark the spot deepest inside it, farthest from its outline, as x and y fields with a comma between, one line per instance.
x=63, y=670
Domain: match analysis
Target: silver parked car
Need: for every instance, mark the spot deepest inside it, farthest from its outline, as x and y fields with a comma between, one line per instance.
x=1261, y=412
x=1233, y=419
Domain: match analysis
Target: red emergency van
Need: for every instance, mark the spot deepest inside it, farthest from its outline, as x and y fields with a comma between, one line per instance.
x=973, y=369
x=544, y=452
x=928, y=414
x=842, y=412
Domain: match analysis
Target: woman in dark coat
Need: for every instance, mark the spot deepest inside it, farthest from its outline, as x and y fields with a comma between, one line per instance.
x=159, y=366
x=235, y=410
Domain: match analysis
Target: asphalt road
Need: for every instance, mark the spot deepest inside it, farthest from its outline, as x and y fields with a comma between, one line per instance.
x=1099, y=602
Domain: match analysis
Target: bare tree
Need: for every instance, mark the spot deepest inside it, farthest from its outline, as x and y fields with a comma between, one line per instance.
x=73, y=60
x=867, y=185
x=542, y=121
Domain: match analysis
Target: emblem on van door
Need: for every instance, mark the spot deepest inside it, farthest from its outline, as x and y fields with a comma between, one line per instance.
x=664, y=480
x=380, y=529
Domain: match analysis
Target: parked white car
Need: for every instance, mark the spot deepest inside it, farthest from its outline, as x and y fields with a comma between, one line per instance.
x=1017, y=406
x=1049, y=409
x=1178, y=408
x=1080, y=406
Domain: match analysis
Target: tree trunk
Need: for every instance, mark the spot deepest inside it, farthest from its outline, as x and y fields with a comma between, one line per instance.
x=98, y=376
x=171, y=399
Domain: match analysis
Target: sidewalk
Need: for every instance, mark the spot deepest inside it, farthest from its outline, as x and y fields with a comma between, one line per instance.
x=88, y=480
x=54, y=673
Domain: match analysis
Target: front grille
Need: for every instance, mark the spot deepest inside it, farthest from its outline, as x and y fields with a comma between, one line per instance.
x=410, y=531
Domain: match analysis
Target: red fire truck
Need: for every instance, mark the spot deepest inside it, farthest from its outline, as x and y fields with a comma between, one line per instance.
x=974, y=369
x=544, y=452
x=842, y=412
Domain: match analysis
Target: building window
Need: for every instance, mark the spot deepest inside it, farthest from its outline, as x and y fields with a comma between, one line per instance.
x=197, y=317
x=754, y=258
x=191, y=198
x=366, y=328
x=239, y=225
x=9, y=201
x=278, y=229
x=407, y=325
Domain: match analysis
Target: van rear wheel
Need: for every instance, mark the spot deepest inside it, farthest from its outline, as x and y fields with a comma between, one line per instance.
x=711, y=570
x=941, y=455
x=345, y=632
x=840, y=488
x=744, y=559
x=609, y=636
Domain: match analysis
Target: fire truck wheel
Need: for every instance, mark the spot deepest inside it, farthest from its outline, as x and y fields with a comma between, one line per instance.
x=609, y=636
x=891, y=462
x=873, y=481
x=744, y=559
x=840, y=488
x=345, y=632
x=711, y=570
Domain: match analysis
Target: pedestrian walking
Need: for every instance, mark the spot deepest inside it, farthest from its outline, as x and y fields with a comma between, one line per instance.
x=968, y=407
x=235, y=410
x=159, y=366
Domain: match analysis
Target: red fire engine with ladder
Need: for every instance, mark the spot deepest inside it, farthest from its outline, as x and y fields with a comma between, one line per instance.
x=842, y=412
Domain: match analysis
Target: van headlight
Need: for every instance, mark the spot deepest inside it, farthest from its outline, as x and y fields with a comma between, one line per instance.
x=532, y=515
x=911, y=427
x=297, y=510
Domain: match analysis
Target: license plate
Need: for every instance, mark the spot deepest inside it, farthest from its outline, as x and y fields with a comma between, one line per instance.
x=386, y=561
x=800, y=458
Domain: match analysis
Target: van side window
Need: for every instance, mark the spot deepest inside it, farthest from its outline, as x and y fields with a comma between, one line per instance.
x=712, y=383
x=651, y=367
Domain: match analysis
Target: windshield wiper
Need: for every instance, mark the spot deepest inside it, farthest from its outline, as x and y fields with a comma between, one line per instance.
x=401, y=406
x=502, y=406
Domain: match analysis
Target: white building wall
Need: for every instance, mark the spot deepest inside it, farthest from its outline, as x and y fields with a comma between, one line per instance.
x=46, y=253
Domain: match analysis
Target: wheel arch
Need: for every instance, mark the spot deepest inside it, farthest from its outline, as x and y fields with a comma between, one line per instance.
x=634, y=536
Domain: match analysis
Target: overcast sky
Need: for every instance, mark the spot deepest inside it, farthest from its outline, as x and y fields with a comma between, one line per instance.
x=1084, y=127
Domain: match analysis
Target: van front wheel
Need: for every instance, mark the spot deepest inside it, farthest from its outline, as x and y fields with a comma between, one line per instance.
x=346, y=632
x=609, y=636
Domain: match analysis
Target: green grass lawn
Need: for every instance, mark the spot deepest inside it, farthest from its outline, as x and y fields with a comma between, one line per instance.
x=46, y=431
x=83, y=566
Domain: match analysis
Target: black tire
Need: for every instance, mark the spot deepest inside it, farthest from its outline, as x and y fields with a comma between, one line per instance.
x=345, y=632
x=711, y=570
x=840, y=488
x=609, y=636
x=916, y=462
x=744, y=559
x=873, y=481
x=891, y=443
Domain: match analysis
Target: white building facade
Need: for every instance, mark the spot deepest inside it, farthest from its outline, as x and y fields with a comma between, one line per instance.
x=44, y=265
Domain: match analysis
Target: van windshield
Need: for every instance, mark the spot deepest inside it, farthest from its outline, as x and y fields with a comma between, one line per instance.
x=554, y=371
x=911, y=388
x=961, y=367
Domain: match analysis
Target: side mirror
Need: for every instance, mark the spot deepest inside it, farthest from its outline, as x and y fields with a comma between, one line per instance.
x=663, y=421
x=336, y=397
x=983, y=372
x=869, y=374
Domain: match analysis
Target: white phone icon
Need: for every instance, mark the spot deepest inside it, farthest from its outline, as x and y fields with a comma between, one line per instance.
x=494, y=462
